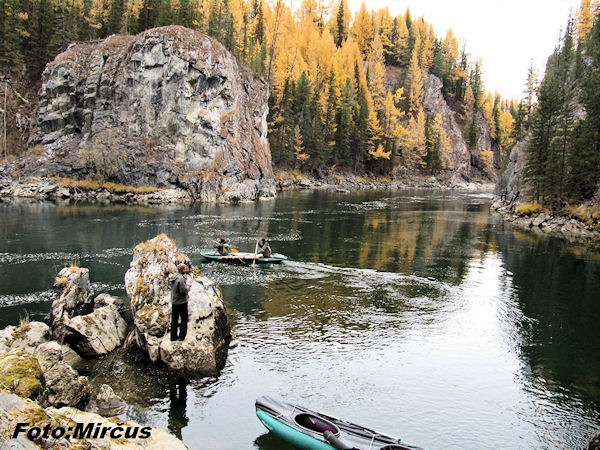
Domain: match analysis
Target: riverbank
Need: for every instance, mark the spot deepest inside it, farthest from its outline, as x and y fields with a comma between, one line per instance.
x=348, y=182
x=566, y=226
x=70, y=190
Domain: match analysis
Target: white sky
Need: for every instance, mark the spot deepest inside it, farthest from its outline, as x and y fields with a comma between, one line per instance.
x=505, y=34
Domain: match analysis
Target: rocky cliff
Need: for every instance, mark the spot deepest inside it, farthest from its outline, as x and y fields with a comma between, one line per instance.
x=169, y=107
x=460, y=159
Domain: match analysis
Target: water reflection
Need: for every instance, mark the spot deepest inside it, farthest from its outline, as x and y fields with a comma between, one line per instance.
x=416, y=313
x=177, y=406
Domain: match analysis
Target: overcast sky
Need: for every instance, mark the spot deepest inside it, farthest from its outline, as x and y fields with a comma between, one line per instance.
x=506, y=34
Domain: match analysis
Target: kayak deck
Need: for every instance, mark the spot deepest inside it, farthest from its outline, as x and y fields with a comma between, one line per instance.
x=309, y=429
x=244, y=257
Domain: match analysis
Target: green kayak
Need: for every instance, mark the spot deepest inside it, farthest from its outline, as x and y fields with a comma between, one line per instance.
x=244, y=257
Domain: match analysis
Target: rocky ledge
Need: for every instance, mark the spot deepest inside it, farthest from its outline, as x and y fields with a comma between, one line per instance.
x=563, y=226
x=56, y=190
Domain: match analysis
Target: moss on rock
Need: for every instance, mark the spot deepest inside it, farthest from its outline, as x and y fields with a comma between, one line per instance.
x=20, y=373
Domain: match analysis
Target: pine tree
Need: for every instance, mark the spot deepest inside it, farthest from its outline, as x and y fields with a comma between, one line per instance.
x=362, y=29
x=584, y=176
x=115, y=15
x=433, y=146
x=344, y=127
x=400, y=41
x=342, y=20
x=12, y=35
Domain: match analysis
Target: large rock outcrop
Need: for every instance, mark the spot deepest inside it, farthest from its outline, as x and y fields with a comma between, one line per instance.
x=169, y=107
x=458, y=159
x=510, y=186
x=148, y=284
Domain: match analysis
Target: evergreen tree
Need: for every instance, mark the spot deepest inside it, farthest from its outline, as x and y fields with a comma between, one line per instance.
x=12, y=35
x=414, y=85
x=115, y=15
x=341, y=21
x=433, y=146
x=585, y=158
x=343, y=138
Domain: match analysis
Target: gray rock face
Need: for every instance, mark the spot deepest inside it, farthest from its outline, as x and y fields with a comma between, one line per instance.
x=26, y=336
x=62, y=384
x=99, y=332
x=510, y=188
x=169, y=107
x=93, y=327
x=72, y=285
x=148, y=284
x=459, y=158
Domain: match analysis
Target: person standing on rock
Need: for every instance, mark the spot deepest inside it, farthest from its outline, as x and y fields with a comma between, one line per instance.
x=179, y=304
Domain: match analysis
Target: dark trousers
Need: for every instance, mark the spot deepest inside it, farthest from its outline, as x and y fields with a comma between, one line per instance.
x=179, y=312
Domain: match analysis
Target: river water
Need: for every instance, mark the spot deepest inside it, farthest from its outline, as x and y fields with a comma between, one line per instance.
x=417, y=313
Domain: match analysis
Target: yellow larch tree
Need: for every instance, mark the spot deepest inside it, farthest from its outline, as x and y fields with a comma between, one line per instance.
x=414, y=83
x=376, y=67
x=362, y=29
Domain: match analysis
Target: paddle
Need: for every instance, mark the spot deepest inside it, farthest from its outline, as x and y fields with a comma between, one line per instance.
x=336, y=442
x=255, y=252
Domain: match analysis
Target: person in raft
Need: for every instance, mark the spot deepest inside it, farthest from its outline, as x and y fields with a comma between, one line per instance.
x=179, y=303
x=264, y=248
x=222, y=246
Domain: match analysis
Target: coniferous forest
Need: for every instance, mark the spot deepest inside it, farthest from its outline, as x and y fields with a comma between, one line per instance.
x=346, y=90
x=563, y=151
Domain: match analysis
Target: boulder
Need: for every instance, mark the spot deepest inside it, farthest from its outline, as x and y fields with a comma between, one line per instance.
x=62, y=384
x=148, y=284
x=93, y=327
x=72, y=285
x=169, y=107
x=67, y=355
x=539, y=220
x=97, y=333
x=20, y=373
x=26, y=336
x=107, y=403
x=15, y=410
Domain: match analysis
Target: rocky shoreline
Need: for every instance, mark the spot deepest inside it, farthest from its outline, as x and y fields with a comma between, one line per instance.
x=563, y=226
x=348, y=182
x=54, y=190
x=44, y=384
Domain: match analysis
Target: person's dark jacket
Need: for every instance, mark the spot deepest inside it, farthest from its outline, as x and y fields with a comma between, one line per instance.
x=179, y=290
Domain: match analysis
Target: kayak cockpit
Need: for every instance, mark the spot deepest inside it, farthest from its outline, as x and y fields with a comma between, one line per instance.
x=316, y=423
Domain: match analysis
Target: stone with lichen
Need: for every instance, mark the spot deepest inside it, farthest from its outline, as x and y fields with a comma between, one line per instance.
x=148, y=284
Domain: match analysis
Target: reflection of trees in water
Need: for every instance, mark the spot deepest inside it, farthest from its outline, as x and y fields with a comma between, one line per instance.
x=559, y=290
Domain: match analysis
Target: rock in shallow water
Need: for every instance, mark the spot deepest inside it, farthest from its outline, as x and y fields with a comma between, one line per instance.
x=148, y=284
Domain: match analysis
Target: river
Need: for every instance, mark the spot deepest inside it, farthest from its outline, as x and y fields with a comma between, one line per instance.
x=418, y=313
